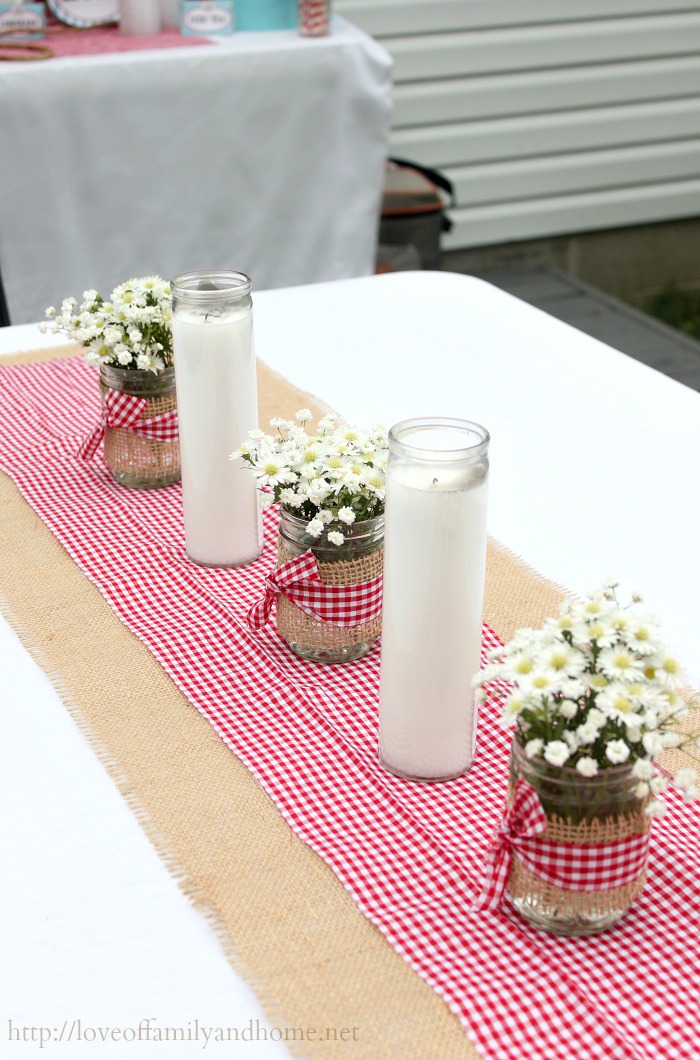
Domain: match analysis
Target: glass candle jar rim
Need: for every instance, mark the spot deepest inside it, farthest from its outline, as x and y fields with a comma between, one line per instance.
x=219, y=282
x=468, y=428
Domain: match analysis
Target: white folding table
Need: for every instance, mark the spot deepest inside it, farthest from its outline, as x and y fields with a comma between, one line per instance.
x=594, y=472
x=262, y=152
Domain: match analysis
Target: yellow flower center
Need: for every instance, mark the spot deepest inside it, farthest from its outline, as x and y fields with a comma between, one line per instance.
x=622, y=661
x=622, y=704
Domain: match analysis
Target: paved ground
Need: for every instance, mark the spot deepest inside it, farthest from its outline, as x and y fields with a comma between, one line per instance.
x=605, y=318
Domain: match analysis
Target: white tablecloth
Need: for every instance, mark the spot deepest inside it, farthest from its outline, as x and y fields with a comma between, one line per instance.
x=263, y=152
x=594, y=472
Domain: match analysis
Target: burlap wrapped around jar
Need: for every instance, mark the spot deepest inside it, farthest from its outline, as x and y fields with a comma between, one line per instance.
x=359, y=559
x=132, y=459
x=580, y=811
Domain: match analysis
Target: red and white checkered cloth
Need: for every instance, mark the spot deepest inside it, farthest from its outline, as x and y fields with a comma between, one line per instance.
x=339, y=605
x=411, y=855
x=124, y=411
x=594, y=867
x=103, y=40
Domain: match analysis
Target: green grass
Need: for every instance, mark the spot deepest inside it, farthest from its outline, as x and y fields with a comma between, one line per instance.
x=680, y=309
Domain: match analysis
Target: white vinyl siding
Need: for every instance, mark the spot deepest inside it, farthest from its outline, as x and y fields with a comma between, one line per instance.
x=549, y=116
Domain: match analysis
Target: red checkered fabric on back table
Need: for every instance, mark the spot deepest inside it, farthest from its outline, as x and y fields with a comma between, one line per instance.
x=411, y=855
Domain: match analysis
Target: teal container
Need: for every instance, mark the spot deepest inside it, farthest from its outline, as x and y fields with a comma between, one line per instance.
x=266, y=14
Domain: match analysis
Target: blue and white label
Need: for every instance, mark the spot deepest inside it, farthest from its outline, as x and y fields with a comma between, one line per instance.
x=23, y=21
x=206, y=18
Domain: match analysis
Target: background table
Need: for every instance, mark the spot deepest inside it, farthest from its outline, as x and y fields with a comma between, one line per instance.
x=262, y=152
x=594, y=472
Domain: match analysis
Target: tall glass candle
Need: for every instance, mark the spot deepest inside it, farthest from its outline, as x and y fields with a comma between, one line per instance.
x=217, y=404
x=434, y=568
x=139, y=18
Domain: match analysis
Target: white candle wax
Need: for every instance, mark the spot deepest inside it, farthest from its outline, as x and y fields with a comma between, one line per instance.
x=217, y=405
x=139, y=18
x=434, y=563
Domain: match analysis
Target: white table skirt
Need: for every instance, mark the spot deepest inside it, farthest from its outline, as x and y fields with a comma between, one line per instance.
x=263, y=152
x=594, y=472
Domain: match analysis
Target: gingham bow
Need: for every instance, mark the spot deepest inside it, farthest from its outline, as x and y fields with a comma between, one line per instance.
x=124, y=411
x=340, y=605
x=570, y=866
x=523, y=818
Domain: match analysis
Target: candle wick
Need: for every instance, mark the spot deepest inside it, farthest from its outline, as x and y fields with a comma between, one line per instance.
x=435, y=482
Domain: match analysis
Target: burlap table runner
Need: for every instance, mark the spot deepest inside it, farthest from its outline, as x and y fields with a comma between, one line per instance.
x=285, y=922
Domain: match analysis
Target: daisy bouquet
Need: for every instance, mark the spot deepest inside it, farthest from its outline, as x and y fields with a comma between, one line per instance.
x=133, y=329
x=593, y=689
x=331, y=479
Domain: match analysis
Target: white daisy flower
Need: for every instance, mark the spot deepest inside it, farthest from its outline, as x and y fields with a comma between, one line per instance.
x=643, y=769
x=556, y=752
x=619, y=663
x=587, y=767
x=617, y=751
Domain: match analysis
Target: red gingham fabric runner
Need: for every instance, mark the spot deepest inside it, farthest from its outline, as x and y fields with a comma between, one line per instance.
x=340, y=605
x=102, y=40
x=411, y=855
x=595, y=867
x=124, y=411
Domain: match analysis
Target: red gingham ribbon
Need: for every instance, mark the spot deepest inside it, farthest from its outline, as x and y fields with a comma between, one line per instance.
x=340, y=605
x=124, y=411
x=570, y=866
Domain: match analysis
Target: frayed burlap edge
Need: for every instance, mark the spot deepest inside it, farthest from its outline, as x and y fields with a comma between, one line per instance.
x=298, y=628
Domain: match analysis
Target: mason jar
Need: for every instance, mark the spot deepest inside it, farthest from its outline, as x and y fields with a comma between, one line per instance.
x=358, y=559
x=582, y=811
x=134, y=460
